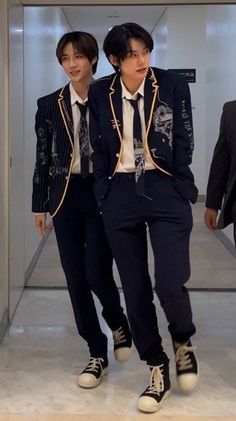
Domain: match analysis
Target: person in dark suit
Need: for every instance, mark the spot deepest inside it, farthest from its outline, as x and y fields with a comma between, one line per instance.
x=63, y=185
x=142, y=137
x=221, y=188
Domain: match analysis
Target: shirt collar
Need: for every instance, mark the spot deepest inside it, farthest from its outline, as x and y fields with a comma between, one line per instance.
x=74, y=96
x=126, y=94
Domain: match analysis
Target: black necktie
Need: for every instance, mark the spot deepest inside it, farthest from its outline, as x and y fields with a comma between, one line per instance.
x=83, y=140
x=139, y=158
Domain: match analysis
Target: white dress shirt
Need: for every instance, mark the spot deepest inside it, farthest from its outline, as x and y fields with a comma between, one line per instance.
x=76, y=118
x=127, y=159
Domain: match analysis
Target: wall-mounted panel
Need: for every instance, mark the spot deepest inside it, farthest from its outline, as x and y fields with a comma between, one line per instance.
x=3, y=168
x=16, y=146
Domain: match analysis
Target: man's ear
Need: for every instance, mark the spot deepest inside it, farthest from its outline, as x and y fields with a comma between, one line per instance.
x=113, y=60
x=94, y=60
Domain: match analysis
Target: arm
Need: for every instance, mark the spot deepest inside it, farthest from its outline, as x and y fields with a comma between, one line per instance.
x=43, y=156
x=98, y=156
x=210, y=218
x=41, y=225
x=219, y=170
x=183, y=141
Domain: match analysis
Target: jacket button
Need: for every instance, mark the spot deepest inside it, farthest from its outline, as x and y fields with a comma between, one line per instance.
x=117, y=155
x=66, y=177
x=71, y=155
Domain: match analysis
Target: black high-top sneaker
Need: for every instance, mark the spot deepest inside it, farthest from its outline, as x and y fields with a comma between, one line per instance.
x=122, y=342
x=186, y=366
x=93, y=373
x=158, y=389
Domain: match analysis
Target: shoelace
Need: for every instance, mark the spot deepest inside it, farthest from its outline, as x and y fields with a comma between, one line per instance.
x=156, y=382
x=118, y=336
x=95, y=364
x=182, y=356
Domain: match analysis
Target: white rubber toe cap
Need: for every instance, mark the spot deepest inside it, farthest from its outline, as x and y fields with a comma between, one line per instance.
x=187, y=382
x=122, y=354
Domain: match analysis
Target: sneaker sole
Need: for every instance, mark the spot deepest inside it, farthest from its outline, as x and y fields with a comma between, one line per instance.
x=96, y=381
x=156, y=407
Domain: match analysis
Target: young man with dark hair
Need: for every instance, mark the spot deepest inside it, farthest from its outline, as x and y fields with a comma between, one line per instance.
x=142, y=137
x=63, y=185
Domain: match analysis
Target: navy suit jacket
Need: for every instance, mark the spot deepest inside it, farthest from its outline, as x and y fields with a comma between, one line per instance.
x=169, y=133
x=222, y=178
x=55, y=151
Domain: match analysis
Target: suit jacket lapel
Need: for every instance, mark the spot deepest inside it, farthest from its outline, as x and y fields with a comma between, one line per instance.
x=116, y=105
x=150, y=94
x=64, y=102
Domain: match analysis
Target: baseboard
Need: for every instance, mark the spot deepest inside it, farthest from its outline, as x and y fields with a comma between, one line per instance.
x=35, y=258
x=201, y=198
x=3, y=325
x=229, y=245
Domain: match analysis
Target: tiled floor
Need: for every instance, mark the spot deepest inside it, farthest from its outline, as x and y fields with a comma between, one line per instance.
x=42, y=355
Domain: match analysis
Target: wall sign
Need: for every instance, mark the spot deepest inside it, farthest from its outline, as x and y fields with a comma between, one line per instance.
x=190, y=74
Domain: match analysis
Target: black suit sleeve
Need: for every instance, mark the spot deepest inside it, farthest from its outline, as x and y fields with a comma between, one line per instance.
x=100, y=170
x=40, y=196
x=183, y=141
x=219, y=170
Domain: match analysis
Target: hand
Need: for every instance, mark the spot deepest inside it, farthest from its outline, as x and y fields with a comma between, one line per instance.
x=210, y=218
x=41, y=225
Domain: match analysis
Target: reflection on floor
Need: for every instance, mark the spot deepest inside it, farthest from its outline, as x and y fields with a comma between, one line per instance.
x=212, y=264
x=42, y=355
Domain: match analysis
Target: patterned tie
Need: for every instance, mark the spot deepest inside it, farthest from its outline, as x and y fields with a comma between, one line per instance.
x=139, y=158
x=83, y=140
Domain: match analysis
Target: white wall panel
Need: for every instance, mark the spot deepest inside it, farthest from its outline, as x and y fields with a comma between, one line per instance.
x=16, y=145
x=186, y=50
x=3, y=167
x=159, y=54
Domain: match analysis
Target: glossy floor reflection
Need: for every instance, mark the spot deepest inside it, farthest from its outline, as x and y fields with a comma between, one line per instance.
x=42, y=355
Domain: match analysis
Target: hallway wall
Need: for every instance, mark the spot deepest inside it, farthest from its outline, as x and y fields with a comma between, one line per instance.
x=160, y=37
x=16, y=152
x=3, y=168
x=186, y=50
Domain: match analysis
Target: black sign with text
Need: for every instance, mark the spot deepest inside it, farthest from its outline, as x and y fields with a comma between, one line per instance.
x=190, y=74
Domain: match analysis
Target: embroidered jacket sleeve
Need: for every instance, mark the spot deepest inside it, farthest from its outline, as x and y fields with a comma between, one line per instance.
x=40, y=196
x=183, y=142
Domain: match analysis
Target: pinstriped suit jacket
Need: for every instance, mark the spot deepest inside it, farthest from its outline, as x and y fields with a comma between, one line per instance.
x=54, y=153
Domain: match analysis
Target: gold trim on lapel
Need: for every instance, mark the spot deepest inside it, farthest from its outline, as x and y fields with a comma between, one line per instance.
x=117, y=122
x=70, y=131
x=148, y=118
x=150, y=95
x=65, y=116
